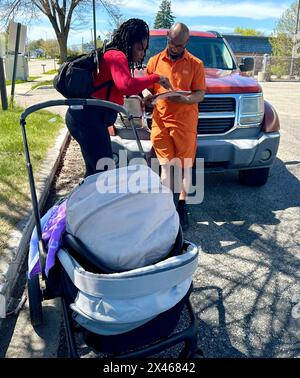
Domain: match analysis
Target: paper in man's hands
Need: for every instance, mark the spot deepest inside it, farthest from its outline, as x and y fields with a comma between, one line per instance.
x=169, y=94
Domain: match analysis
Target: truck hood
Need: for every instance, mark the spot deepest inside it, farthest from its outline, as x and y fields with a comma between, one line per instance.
x=227, y=81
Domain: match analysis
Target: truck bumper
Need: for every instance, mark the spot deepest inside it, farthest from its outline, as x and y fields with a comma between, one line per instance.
x=257, y=152
x=218, y=154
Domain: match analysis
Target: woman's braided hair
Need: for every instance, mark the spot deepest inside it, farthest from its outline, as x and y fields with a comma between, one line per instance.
x=131, y=31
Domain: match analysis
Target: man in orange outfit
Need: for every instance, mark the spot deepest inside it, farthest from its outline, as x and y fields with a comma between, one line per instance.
x=175, y=119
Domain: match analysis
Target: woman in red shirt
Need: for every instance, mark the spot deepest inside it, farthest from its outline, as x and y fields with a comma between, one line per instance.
x=125, y=52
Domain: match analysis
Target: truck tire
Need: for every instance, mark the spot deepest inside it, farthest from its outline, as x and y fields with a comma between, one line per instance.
x=254, y=177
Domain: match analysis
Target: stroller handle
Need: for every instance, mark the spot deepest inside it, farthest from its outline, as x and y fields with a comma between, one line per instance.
x=76, y=102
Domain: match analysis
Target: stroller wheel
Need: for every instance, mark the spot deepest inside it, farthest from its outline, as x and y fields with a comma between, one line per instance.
x=35, y=300
x=191, y=354
x=197, y=354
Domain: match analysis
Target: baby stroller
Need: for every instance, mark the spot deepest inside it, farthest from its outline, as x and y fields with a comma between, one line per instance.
x=102, y=302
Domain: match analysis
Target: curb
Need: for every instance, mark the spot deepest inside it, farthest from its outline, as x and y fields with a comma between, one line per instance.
x=14, y=255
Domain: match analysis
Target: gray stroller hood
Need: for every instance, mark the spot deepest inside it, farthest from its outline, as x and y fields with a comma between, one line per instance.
x=125, y=217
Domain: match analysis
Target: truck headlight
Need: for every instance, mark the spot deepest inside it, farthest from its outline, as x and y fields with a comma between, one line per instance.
x=251, y=110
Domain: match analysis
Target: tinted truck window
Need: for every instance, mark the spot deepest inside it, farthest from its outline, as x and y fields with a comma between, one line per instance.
x=212, y=51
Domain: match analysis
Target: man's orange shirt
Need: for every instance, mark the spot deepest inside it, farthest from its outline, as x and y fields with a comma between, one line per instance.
x=187, y=73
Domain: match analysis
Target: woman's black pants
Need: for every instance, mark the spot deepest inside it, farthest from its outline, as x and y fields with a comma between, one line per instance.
x=88, y=126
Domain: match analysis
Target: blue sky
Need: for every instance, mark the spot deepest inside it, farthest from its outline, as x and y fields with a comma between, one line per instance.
x=219, y=15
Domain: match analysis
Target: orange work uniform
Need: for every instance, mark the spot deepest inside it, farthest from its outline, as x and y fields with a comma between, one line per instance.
x=174, y=125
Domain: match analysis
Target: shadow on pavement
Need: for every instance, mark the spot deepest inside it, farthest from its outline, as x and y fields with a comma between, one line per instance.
x=214, y=340
x=249, y=265
x=231, y=209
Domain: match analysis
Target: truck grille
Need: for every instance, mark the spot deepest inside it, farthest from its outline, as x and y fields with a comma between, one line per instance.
x=216, y=115
x=217, y=104
x=214, y=125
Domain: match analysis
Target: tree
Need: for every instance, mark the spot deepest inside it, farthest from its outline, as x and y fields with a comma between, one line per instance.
x=164, y=17
x=36, y=44
x=34, y=48
x=117, y=20
x=50, y=47
x=283, y=33
x=248, y=31
x=4, y=40
x=60, y=13
x=282, y=40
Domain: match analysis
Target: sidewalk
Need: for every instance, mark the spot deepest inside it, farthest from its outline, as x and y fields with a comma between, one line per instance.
x=15, y=254
x=25, y=96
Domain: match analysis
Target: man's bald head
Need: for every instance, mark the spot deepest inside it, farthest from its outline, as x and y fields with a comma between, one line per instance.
x=179, y=31
x=178, y=38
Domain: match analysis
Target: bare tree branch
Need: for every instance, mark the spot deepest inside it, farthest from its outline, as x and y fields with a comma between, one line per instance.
x=62, y=14
x=36, y=3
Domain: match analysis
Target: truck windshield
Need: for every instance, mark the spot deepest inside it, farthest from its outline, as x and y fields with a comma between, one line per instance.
x=212, y=51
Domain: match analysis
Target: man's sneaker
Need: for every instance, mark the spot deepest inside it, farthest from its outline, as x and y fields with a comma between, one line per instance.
x=183, y=215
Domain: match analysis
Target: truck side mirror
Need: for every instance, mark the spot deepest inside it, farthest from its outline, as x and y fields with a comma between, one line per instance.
x=247, y=64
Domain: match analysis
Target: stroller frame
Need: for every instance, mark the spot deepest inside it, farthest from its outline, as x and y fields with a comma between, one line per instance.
x=37, y=292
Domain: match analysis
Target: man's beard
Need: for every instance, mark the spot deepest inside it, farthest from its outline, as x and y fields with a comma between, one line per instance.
x=175, y=56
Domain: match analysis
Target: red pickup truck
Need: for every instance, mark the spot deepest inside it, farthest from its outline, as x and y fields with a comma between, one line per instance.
x=237, y=129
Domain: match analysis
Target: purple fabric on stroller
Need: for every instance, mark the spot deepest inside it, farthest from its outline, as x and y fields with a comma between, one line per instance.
x=53, y=226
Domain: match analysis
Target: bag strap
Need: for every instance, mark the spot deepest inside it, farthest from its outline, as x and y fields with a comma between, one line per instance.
x=109, y=84
x=109, y=87
x=102, y=50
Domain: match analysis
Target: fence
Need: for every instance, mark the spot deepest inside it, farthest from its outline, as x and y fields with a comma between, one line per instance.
x=273, y=68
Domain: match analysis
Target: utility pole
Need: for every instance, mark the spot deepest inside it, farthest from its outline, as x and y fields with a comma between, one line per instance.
x=296, y=41
x=12, y=92
x=94, y=19
x=2, y=75
x=3, y=86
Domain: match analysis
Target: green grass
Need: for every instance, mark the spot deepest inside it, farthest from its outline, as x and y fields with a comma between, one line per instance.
x=42, y=84
x=9, y=82
x=42, y=129
x=30, y=78
x=50, y=72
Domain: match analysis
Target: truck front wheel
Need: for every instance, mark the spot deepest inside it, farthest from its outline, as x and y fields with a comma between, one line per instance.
x=254, y=177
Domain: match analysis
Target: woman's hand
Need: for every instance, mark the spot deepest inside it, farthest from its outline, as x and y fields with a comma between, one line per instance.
x=165, y=82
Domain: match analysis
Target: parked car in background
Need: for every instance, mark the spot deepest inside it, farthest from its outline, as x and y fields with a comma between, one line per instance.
x=237, y=129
